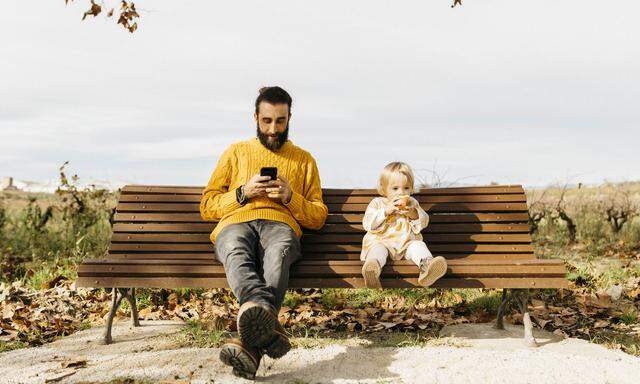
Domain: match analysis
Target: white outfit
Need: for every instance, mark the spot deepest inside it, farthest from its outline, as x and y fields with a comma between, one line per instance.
x=395, y=235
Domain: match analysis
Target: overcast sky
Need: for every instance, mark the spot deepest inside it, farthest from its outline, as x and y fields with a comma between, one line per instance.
x=529, y=92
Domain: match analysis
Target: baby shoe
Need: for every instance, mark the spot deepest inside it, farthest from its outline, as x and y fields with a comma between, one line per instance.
x=431, y=270
x=371, y=273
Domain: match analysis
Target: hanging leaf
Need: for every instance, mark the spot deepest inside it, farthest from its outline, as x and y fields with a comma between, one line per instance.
x=93, y=11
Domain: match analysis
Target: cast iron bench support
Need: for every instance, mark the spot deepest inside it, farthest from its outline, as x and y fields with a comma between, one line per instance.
x=117, y=294
x=522, y=297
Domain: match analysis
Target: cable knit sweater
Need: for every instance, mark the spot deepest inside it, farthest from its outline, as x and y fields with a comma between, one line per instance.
x=243, y=160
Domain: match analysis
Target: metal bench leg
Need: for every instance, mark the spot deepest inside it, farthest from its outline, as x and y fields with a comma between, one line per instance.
x=505, y=298
x=116, y=299
x=523, y=301
x=117, y=294
x=131, y=298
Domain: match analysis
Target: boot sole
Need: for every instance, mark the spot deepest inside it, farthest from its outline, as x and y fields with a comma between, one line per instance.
x=436, y=270
x=243, y=364
x=371, y=276
x=279, y=347
x=256, y=326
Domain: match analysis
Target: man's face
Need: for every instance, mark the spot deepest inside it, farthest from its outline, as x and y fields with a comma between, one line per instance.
x=272, y=124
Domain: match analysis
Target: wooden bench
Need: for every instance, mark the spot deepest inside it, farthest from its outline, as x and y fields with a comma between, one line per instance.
x=160, y=241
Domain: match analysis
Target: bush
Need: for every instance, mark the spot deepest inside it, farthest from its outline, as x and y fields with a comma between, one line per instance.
x=46, y=235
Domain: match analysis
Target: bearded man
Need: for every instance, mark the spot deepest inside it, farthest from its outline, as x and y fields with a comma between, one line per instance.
x=257, y=237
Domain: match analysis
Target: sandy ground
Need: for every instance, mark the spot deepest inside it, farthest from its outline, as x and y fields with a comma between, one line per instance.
x=466, y=353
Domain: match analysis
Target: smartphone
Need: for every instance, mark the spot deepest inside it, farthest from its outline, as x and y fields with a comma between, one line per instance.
x=269, y=171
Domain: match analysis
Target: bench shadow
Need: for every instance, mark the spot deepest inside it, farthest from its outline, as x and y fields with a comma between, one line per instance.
x=486, y=331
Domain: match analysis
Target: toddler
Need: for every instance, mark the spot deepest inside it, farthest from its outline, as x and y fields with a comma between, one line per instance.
x=393, y=223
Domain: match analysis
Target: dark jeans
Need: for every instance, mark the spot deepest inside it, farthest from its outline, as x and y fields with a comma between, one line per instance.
x=256, y=256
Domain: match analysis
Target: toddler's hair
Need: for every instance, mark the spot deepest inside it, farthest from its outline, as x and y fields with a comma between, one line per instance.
x=396, y=167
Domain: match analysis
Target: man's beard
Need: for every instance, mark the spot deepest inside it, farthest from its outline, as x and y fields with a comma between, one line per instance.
x=281, y=138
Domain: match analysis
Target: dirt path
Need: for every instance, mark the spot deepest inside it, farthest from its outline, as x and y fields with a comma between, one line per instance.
x=466, y=353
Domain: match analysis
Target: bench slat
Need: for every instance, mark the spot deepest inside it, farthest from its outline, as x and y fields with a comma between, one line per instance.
x=467, y=262
x=328, y=228
x=323, y=248
x=320, y=270
x=318, y=256
x=431, y=198
x=197, y=190
x=323, y=238
x=177, y=217
x=334, y=208
x=354, y=282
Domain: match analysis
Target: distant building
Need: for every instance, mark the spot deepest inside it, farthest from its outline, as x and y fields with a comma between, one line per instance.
x=7, y=184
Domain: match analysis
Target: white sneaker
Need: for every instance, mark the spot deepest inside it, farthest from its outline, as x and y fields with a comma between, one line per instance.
x=371, y=273
x=431, y=270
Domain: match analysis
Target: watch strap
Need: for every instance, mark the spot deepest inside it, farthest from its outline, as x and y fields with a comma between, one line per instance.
x=240, y=196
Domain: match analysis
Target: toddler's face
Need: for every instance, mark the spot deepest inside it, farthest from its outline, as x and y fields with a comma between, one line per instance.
x=398, y=186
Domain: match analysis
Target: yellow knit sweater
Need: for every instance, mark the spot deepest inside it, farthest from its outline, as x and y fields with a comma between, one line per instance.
x=243, y=160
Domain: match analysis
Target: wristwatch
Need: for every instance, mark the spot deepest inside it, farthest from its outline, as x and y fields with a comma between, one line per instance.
x=240, y=196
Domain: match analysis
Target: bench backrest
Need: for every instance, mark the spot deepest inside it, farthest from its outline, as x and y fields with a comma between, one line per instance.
x=472, y=223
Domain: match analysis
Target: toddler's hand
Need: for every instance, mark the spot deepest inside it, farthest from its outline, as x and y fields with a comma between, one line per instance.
x=390, y=209
x=402, y=204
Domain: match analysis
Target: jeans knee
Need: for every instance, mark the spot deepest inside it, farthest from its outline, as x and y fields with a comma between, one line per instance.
x=286, y=251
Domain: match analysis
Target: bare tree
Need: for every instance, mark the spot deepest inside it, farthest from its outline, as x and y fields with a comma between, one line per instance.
x=435, y=178
x=538, y=208
x=618, y=207
x=559, y=212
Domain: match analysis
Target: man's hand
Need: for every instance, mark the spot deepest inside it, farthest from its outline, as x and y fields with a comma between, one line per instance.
x=279, y=190
x=256, y=186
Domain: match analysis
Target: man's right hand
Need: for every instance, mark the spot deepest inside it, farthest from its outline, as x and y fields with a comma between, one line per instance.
x=256, y=186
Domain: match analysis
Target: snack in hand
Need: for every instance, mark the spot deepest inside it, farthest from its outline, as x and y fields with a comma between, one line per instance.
x=403, y=202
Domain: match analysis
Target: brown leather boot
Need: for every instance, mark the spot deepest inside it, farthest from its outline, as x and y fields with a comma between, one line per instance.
x=244, y=359
x=280, y=345
x=256, y=324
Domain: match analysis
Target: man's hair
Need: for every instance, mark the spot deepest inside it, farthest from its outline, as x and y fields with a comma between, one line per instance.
x=273, y=95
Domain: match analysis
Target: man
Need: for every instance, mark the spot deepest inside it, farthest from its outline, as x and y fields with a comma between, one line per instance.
x=258, y=234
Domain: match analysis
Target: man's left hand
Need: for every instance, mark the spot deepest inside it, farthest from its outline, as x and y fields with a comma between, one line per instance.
x=279, y=190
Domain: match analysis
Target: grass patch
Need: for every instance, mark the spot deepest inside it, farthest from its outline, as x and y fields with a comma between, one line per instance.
x=12, y=345
x=629, y=317
x=334, y=298
x=615, y=340
x=488, y=302
x=202, y=334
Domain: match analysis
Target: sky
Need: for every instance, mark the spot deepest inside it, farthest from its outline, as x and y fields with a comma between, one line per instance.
x=513, y=92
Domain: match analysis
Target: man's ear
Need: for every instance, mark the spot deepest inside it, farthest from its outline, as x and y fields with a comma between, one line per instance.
x=255, y=116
